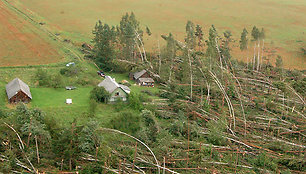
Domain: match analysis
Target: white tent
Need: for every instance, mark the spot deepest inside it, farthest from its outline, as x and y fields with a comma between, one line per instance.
x=68, y=101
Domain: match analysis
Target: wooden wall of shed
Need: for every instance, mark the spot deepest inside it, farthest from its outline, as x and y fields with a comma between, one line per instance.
x=20, y=97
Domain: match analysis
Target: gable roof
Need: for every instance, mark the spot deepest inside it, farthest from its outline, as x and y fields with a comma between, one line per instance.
x=150, y=80
x=16, y=85
x=111, y=85
x=139, y=74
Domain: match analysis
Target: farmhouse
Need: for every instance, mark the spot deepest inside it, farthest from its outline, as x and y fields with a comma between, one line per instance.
x=142, y=78
x=117, y=91
x=18, y=91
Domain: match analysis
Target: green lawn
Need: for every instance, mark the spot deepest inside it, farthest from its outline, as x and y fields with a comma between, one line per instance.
x=52, y=98
x=2, y=95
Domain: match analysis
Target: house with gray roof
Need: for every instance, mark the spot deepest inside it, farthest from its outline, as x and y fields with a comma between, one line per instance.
x=117, y=91
x=142, y=78
x=18, y=91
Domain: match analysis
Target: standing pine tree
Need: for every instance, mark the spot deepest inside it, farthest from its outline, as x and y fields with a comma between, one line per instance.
x=190, y=35
x=199, y=35
x=243, y=40
x=211, y=50
x=225, y=49
x=169, y=54
x=130, y=35
x=188, y=56
x=255, y=34
x=262, y=36
x=104, y=40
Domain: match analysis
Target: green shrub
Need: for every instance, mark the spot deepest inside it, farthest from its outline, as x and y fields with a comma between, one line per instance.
x=43, y=78
x=70, y=71
x=56, y=81
x=99, y=94
x=280, y=85
x=2, y=114
x=92, y=107
x=135, y=101
x=263, y=161
x=299, y=86
x=126, y=121
x=216, y=129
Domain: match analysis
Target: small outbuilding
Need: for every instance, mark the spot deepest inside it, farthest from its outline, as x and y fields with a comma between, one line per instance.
x=18, y=91
x=69, y=101
x=145, y=82
x=116, y=91
x=142, y=78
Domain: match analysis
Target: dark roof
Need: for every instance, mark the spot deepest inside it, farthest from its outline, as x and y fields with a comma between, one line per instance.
x=110, y=85
x=150, y=80
x=139, y=74
x=16, y=85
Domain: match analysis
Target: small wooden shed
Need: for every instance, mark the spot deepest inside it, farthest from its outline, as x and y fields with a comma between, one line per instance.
x=18, y=91
x=142, y=78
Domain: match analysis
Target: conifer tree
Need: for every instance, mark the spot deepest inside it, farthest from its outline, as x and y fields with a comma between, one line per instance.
x=190, y=35
x=199, y=34
x=129, y=32
x=104, y=49
x=243, y=40
x=211, y=50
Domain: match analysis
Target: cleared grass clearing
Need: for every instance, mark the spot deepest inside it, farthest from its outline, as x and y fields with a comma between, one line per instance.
x=284, y=20
x=21, y=43
x=49, y=97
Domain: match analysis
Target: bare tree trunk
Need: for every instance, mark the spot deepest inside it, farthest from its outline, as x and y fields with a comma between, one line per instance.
x=220, y=57
x=262, y=52
x=142, y=59
x=258, y=56
x=97, y=150
x=37, y=152
x=159, y=58
x=247, y=62
x=254, y=58
x=191, y=77
x=208, y=93
x=171, y=67
x=164, y=165
x=135, y=153
x=201, y=103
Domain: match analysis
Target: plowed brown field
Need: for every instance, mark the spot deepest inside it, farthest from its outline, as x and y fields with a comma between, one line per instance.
x=21, y=43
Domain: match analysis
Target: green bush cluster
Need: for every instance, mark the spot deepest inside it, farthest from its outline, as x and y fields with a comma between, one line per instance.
x=99, y=94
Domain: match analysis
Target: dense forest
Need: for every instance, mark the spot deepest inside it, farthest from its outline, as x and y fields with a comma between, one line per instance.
x=213, y=114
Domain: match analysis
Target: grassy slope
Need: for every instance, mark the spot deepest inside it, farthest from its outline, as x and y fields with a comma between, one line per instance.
x=283, y=20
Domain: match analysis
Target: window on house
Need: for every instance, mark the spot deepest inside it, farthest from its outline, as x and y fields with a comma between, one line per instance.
x=117, y=94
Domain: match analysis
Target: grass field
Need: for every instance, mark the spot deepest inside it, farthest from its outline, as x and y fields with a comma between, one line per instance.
x=21, y=43
x=49, y=97
x=283, y=20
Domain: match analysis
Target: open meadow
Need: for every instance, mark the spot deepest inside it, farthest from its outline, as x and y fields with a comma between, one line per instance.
x=75, y=20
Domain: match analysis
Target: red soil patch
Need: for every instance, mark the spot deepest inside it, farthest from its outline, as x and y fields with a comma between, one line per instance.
x=21, y=43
